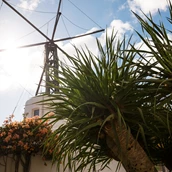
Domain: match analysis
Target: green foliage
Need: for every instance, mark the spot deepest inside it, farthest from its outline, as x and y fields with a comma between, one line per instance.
x=123, y=83
x=159, y=54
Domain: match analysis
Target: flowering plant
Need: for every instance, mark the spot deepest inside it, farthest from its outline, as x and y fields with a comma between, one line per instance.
x=23, y=139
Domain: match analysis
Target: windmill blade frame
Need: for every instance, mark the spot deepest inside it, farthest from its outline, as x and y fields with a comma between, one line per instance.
x=51, y=58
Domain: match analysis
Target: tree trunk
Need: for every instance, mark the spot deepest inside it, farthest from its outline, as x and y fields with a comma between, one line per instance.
x=127, y=149
x=27, y=162
x=17, y=163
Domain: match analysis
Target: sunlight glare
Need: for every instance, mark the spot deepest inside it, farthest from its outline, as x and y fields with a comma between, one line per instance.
x=17, y=66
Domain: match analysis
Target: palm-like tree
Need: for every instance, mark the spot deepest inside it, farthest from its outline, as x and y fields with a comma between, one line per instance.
x=100, y=97
x=117, y=104
x=157, y=38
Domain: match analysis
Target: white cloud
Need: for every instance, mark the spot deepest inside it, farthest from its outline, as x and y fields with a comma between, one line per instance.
x=119, y=27
x=82, y=42
x=90, y=41
x=149, y=57
x=29, y=4
x=147, y=5
x=116, y=25
x=123, y=6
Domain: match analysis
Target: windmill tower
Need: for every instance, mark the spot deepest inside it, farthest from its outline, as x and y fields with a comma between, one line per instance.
x=51, y=65
x=51, y=56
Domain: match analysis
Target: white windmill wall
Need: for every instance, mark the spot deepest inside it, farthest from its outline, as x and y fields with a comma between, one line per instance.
x=34, y=105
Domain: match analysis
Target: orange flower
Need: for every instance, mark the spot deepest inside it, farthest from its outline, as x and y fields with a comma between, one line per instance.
x=10, y=130
x=36, y=117
x=20, y=143
x=26, y=126
x=50, y=114
x=32, y=149
x=25, y=135
x=29, y=133
x=21, y=136
x=14, y=147
x=43, y=131
x=7, y=138
x=6, y=121
x=2, y=134
x=50, y=151
x=16, y=136
x=26, y=147
x=12, y=116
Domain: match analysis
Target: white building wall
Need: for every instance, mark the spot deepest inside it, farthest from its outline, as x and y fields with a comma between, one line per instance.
x=39, y=165
x=7, y=164
x=35, y=104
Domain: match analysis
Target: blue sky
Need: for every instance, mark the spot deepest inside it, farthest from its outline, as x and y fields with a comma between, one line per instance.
x=20, y=69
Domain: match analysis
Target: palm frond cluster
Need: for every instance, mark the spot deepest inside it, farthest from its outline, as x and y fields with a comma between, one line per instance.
x=124, y=84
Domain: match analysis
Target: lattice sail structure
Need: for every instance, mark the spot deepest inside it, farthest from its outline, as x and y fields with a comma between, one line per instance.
x=51, y=65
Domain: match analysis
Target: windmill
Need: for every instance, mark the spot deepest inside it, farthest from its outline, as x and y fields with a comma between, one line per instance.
x=51, y=57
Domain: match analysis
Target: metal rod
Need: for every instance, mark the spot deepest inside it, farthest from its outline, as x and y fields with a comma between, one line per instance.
x=78, y=36
x=25, y=46
x=57, y=19
x=40, y=80
x=26, y=20
x=58, y=40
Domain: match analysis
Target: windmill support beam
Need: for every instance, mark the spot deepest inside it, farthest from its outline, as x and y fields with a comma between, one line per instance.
x=26, y=20
x=51, y=68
